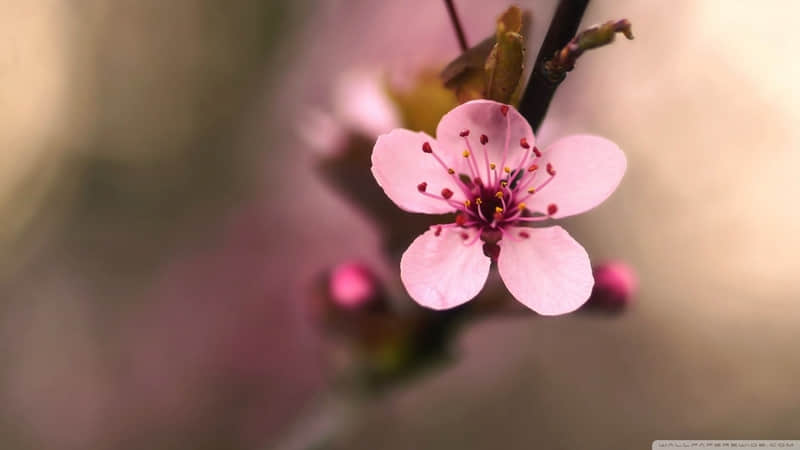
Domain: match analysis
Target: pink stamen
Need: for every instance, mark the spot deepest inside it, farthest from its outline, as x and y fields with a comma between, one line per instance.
x=471, y=158
x=452, y=203
x=466, y=190
x=538, y=188
x=521, y=164
x=480, y=213
x=472, y=168
x=484, y=140
x=508, y=137
x=532, y=219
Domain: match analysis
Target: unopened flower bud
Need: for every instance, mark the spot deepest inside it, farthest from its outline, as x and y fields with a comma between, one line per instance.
x=352, y=285
x=615, y=285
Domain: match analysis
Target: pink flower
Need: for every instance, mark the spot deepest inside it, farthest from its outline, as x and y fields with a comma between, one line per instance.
x=484, y=167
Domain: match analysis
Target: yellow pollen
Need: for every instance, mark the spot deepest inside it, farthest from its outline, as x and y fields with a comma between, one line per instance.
x=498, y=209
x=467, y=203
x=466, y=153
x=451, y=171
x=506, y=169
x=531, y=190
x=499, y=194
x=521, y=206
x=492, y=166
x=478, y=201
x=504, y=183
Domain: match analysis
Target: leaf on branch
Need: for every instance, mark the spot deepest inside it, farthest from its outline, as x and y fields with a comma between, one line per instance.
x=465, y=74
x=505, y=62
x=492, y=69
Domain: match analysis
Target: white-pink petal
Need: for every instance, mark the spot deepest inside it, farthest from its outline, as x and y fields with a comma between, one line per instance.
x=444, y=271
x=588, y=170
x=502, y=125
x=399, y=166
x=548, y=271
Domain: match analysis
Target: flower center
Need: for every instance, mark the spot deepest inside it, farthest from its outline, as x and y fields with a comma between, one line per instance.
x=494, y=194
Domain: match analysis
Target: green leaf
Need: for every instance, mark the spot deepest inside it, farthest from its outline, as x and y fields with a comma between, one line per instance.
x=506, y=61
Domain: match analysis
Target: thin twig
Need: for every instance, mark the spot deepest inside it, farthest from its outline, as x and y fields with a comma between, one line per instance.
x=451, y=9
x=597, y=36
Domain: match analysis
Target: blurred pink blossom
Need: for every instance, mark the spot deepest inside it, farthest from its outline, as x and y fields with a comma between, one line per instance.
x=615, y=284
x=360, y=104
x=544, y=268
x=352, y=284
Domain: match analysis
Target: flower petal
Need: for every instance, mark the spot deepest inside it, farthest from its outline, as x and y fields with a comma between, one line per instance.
x=588, y=169
x=444, y=271
x=548, y=271
x=502, y=126
x=399, y=166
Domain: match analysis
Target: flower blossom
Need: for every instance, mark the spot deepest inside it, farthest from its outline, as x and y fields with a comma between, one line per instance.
x=484, y=166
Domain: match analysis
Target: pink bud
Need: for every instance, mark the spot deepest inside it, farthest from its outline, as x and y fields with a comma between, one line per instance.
x=615, y=285
x=352, y=284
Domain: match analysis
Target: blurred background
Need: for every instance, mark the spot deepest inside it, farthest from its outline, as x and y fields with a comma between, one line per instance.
x=163, y=225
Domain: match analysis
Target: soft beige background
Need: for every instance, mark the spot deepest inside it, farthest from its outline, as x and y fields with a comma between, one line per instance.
x=125, y=294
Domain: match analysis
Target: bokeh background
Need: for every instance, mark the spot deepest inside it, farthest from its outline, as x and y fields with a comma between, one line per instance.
x=161, y=225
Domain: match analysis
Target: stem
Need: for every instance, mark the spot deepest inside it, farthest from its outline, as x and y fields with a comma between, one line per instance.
x=540, y=90
x=451, y=9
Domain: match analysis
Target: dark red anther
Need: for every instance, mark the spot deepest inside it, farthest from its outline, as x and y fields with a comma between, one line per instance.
x=464, y=133
x=532, y=167
x=422, y=186
x=550, y=170
x=484, y=139
x=537, y=152
x=524, y=143
x=552, y=209
x=426, y=147
x=447, y=193
x=461, y=219
x=504, y=109
x=438, y=231
x=524, y=234
x=464, y=236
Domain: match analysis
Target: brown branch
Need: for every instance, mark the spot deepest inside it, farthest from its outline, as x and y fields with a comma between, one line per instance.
x=540, y=90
